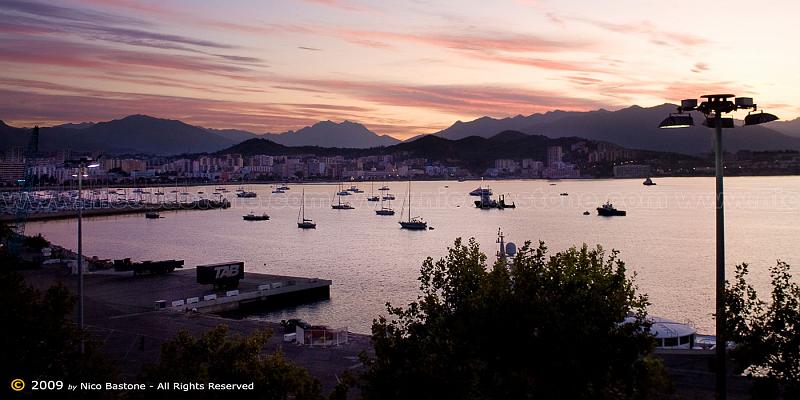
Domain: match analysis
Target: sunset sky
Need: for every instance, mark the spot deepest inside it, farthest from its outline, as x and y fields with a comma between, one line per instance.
x=399, y=67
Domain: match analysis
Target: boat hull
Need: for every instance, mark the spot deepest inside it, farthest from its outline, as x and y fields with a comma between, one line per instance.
x=414, y=226
x=603, y=212
x=306, y=225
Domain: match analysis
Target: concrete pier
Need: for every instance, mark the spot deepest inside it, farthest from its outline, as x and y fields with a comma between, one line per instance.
x=179, y=291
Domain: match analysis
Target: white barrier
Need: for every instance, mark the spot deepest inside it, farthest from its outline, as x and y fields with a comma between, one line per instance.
x=209, y=297
x=231, y=293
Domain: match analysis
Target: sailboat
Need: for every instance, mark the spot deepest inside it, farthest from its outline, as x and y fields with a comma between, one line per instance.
x=302, y=221
x=340, y=205
x=372, y=196
x=384, y=210
x=415, y=223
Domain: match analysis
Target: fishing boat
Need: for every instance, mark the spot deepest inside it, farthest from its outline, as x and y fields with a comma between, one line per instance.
x=415, y=223
x=302, y=221
x=486, y=202
x=251, y=216
x=608, y=210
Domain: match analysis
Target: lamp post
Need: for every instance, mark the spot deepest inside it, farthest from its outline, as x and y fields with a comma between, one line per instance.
x=713, y=107
x=82, y=164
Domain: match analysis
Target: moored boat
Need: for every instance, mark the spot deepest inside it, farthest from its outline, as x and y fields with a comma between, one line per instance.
x=608, y=210
x=251, y=216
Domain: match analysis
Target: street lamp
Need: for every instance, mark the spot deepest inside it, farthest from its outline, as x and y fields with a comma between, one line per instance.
x=713, y=107
x=82, y=164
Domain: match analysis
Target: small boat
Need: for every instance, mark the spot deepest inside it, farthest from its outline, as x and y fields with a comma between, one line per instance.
x=461, y=179
x=283, y=187
x=564, y=194
x=302, y=221
x=374, y=198
x=388, y=196
x=278, y=191
x=251, y=216
x=415, y=223
x=340, y=205
x=355, y=189
x=648, y=182
x=384, y=211
x=586, y=212
x=608, y=210
x=481, y=191
x=151, y=215
x=384, y=188
x=245, y=194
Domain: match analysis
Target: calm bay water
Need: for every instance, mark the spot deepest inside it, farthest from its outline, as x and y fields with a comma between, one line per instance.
x=667, y=238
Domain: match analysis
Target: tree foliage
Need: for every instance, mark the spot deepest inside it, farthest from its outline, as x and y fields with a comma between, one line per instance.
x=767, y=335
x=40, y=340
x=537, y=326
x=219, y=357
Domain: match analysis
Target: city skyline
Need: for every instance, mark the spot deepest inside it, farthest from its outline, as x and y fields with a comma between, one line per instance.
x=400, y=69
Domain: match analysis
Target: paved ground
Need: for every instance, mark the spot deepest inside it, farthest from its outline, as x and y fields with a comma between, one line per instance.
x=131, y=331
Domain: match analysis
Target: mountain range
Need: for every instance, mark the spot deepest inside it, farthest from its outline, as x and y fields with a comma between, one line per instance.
x=633, y=127
x=137, y=134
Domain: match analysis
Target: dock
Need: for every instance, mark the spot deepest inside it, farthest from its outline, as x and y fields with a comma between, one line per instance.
x=179, y=291
x=118, y=209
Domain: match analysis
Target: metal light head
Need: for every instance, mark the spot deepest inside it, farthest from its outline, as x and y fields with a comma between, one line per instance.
x=93, y=165
x=759, y=118
x=689, y=104
x=744, y=102
x=711, y=122
x=677, y=121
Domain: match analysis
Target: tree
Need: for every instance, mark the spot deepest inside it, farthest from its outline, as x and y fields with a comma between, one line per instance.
x=221, y=358
x=570, y=325
x=40, y=341
x=766, y=335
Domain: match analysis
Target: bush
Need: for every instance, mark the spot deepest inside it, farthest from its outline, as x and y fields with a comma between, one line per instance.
x=535, y=327
x=221, y=358
x=39, y=339
x=767, y=335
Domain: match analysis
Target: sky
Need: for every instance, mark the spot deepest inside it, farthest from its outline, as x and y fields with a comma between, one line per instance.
x=400, y=67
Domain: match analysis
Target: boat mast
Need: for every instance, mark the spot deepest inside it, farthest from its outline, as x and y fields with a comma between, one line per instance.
x=409, y=198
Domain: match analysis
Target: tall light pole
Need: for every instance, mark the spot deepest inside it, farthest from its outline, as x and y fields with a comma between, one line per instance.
x=82, y=164
x=713, y=107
